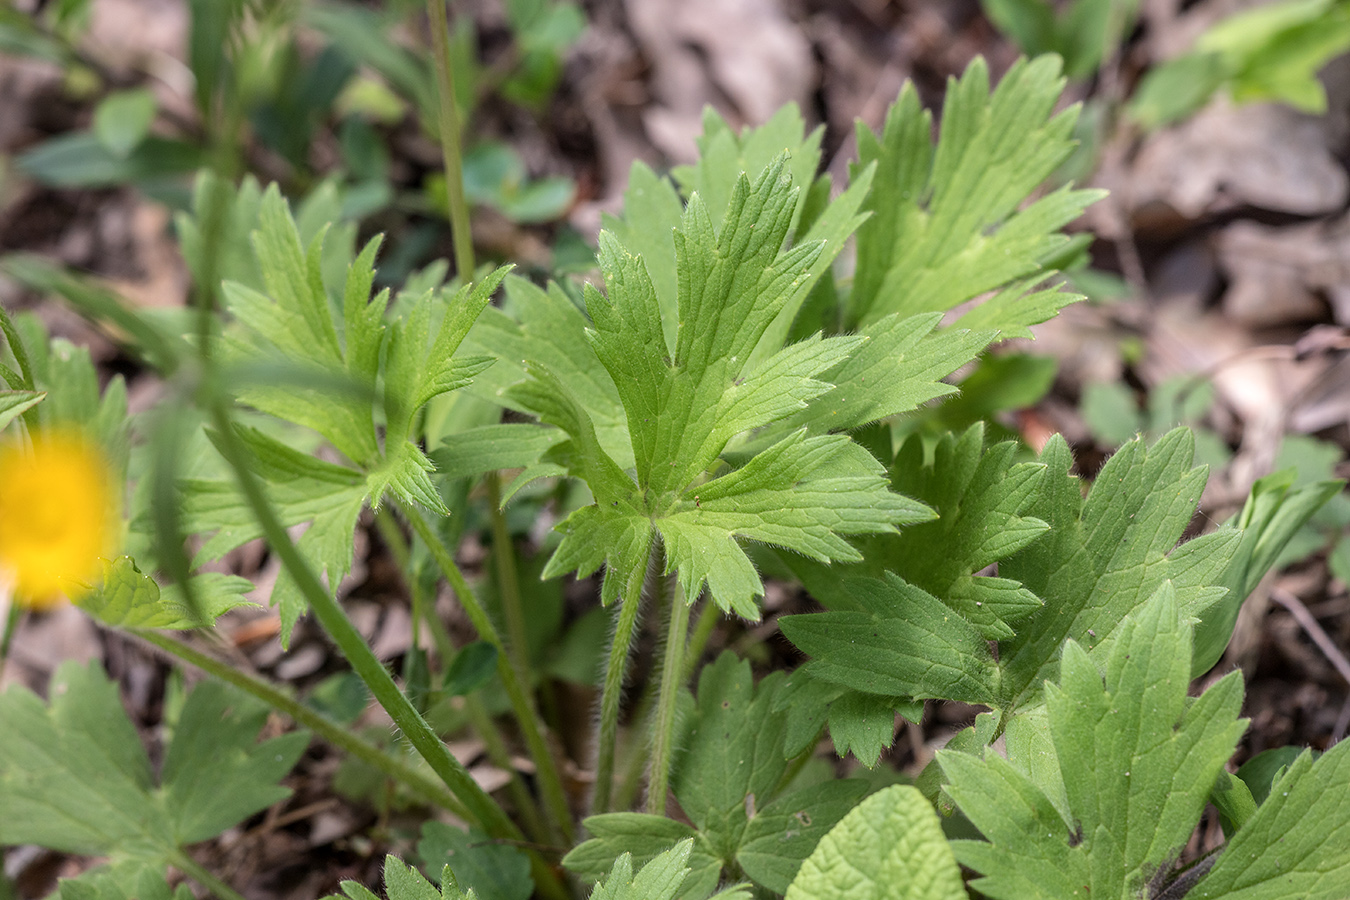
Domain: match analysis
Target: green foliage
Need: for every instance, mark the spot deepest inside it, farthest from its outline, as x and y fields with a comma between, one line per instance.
x=918, y=625
x=728, y=779
x=889, y=847
x=132, y=880
x=1136, y=758
x=1297, y=843
x=338, y=370
x=946, y=223
x=491, y=871
x=74, y=776
x=1083, y=32
x=682, y=405
x=125, y=597
x=1271, y=52
x=403, y=882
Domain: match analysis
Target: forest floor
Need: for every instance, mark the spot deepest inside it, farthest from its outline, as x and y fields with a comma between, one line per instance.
x=1228, y=234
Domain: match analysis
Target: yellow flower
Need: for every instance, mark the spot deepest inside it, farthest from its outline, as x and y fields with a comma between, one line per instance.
x=58, y=516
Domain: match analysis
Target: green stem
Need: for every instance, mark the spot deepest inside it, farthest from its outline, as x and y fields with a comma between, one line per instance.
x=639, y=744
x=11, y=625
x=708, y=617
x=326, y=728
x=197, y=873
x=482, y=808
x=672, y=677
x=479, y=718
x=612, y=692
x=448, y=123
x=546, y=770
x=508, y=584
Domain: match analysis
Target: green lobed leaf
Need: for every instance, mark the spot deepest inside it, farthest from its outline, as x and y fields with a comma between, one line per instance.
x=659, y=879
x=946, y=222
x=644, y=837
x=215, y=772
x=74, y=776
x=403, y=882
x=1297, y=843
x=683, y=402
x=1137, y=760
x=1105, y=555
x=890, y=847
x=15, y=403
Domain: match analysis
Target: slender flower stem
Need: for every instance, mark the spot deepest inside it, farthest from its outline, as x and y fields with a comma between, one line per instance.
x=672, y=677
x=11, y=626
x=508, y=584
x=334, y=620
x=197, y=873
x=612, y=691
x=708, y=617
x=550, y=783
x=448, y=123
x=526, y=806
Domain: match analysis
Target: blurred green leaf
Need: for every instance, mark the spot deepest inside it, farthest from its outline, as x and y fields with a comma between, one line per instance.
x=81, y=160
x=123, y=120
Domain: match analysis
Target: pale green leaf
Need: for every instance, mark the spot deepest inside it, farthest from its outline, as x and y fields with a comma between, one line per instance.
x=890, y=847
x=1137, y=759
x=903, y=642
x=1104, y=556
x=488, y=447
x=74, y=776
x=215, y=772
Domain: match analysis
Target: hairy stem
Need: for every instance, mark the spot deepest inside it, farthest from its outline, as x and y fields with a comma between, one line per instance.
x=612, y=691
x=550, y=783
x=672, y=677
x=448, y=123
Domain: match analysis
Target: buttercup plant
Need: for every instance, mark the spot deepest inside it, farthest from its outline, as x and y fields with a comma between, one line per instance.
x=729, y=402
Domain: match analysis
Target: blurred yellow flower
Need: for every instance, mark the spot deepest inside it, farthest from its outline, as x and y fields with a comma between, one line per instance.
x=58, y=516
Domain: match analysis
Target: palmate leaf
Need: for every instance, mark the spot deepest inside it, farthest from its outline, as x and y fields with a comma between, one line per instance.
x=946, y=226
x=1137, y=760
x=683, y=404
x=337, y=369
x=74, y=776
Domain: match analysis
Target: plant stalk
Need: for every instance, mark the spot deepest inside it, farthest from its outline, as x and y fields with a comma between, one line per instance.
x=199, y=874
x=612, y=692
x=448, y=124
x=672, y=677
x=508, y=584
x=550, y=782
x=483, y=809
x=526, y=806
